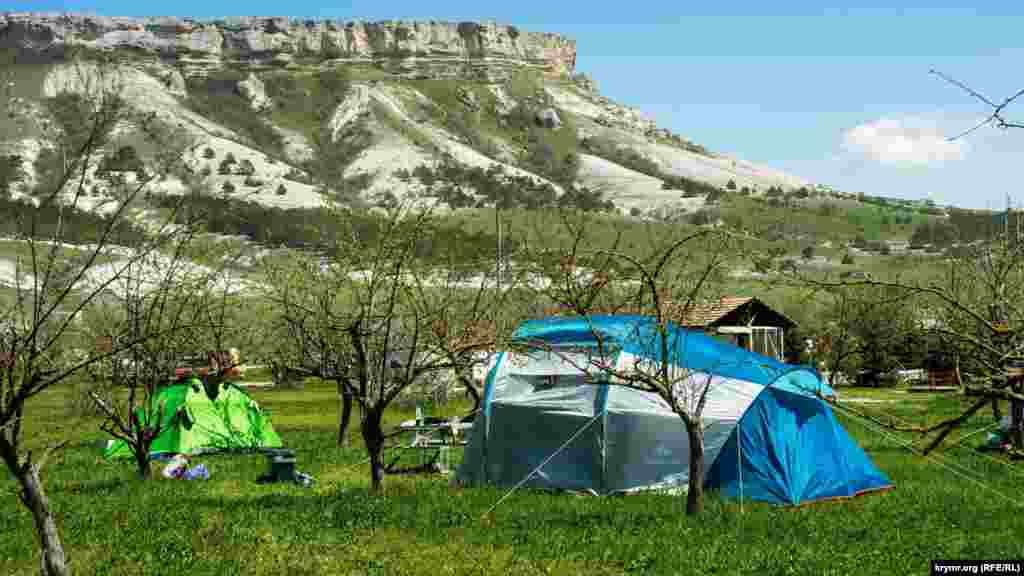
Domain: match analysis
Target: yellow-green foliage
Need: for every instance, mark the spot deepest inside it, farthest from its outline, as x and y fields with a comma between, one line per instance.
x=820, y=221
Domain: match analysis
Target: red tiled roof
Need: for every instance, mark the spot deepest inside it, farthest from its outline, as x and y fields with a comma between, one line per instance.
x=704, y=313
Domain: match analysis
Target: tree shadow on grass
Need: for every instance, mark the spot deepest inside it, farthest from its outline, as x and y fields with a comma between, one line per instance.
x=94, y=487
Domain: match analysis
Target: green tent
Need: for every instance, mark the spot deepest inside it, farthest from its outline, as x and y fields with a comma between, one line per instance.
x=193, y=423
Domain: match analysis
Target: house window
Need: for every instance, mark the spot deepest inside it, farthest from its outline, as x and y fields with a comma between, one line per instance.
x=766, y=341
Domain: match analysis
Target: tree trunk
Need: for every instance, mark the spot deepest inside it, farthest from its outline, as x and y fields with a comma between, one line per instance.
x=143, y=463
x=1016, y=424
x=475, y=393
x=51, y=551
x=373, y=437
x=695, y=493
x=346, y=412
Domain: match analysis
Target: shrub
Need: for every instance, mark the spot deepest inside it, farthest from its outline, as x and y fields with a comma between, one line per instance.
x=807, y=252
x=246, y=168
x=296, y=175
x=848, y=259
x=714, y=196
x=704, y=217
x=939, y=233
x=227, y=187
x=126, y=159
x=11, y=173
x=77, y=226
x=586, y=200
x=209, y=154
x=281, y=190
x=226, y=165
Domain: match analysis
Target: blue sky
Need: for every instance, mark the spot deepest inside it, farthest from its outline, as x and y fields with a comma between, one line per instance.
x=838, y=95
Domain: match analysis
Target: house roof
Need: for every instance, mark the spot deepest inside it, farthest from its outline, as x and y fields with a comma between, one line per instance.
x=703, y=314
x=706, y=313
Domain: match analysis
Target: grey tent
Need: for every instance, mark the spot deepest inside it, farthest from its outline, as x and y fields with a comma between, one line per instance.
x=769, y=434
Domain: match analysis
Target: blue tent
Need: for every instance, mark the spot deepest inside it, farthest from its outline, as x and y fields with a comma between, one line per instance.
x=557, y=401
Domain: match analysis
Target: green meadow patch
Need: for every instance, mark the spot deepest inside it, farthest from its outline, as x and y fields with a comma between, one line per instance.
x=948, y=506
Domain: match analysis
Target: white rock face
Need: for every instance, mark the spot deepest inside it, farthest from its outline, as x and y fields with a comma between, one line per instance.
x=629, y=189
x=252, y=89
x=409, y=135
x=505, y=103
x=176, y=83
x=249, y=38
x=355, y=106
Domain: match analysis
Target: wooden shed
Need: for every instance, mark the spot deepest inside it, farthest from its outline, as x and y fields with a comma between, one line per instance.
x=744, y=321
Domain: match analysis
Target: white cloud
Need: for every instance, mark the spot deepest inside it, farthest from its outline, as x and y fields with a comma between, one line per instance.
x=903, y=141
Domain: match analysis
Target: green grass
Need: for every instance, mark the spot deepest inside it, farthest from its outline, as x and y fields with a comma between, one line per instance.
x=298, y=114
x=545, y=228
x=114, y=524
x=842, y=224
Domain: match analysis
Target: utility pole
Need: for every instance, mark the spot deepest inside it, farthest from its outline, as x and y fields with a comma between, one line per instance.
x=497, y=222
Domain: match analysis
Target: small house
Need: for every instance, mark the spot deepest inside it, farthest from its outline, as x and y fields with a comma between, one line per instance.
x=746, y=322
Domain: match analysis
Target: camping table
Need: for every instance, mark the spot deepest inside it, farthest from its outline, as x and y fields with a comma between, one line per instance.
x=435, y=438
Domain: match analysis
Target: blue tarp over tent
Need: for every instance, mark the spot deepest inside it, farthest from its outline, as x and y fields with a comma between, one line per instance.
x=768, y=434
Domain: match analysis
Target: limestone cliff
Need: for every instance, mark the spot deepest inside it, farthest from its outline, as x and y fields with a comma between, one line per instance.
x=281, y=40
x=511, y=104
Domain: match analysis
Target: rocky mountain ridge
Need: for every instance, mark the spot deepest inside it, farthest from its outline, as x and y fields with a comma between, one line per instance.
x=486, y=104
x=283, y=40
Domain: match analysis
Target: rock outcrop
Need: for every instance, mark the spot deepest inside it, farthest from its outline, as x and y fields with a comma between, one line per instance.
x=283, y=40
x=252, y=89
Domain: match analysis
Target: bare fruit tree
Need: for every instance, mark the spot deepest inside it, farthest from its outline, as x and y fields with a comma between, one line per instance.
x=163, y=309
x=383, y=315
x=665, y=284
x=971, y=309
x=307, y=314
x=70, y=252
